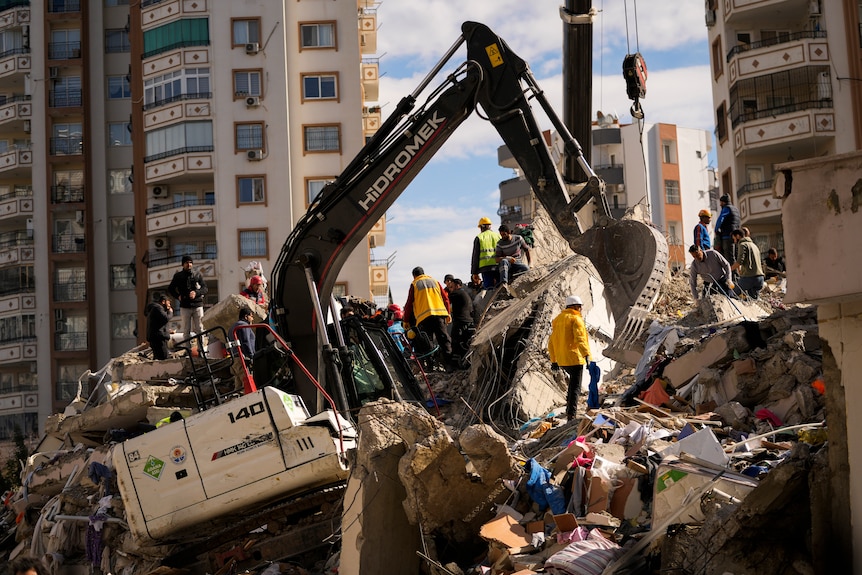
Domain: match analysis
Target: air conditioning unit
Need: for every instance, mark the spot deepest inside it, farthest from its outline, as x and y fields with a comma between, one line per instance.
x=59, y=314
x=60, y=326
x=252, y=48
x=252, y=101
x=160, y=192
x=26, y=126
x=161, y=243
x=54, y=72
x=710, y=18
x=254, y=155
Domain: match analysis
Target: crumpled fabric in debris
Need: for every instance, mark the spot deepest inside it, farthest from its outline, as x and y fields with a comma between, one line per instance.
x=97, y=472
x=541, y=490
x=656, y=334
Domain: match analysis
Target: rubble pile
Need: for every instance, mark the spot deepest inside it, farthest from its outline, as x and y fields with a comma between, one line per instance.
x=708, y=454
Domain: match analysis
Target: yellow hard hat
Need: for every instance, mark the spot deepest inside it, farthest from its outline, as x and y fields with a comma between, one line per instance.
x=485, y=222
x=704, y=213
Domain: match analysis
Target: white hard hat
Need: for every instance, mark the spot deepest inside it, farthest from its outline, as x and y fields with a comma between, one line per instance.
x=573, y=300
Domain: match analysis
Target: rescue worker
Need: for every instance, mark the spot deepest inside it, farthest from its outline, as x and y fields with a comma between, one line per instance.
x=427, y=309
x=728, y=220
x=747, y=264
x=483, y=261
x=701, y=230
x=569, y=348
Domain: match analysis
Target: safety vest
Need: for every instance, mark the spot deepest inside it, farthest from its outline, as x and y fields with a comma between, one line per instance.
x=487, y=243
x=427, y=300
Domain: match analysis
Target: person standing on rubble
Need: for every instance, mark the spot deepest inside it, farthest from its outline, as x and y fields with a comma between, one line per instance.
x=701, y=230
x=747, y=264
x=728, y=220
x=159, y=313
x=427, y=309
x=569, y=348
x=483, y=261
x=713, y=268
x=189, y=287
x=463, y=327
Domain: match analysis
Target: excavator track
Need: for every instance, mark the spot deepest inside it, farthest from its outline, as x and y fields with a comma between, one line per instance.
x=287, y=511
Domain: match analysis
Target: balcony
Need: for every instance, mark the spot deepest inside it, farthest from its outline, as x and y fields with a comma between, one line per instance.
x=377, y=235
x=68, y=243
x=515, y=188
x=159, y=12
x=63, y=6
x=70, y=291
x=804, y=131
x=15, y=247
x=184, y=214
x=14, y=62
x=785, y=53
x=16, y=109
x=178, y=98
x=739, y=11
x=70, y=341
x=64, y=50
x=610, y=173
x=65, y=99
x=67, y=194
x=368, y=30
x=20, y=301
x=780, y=40
x=162, y=267
x=371, y=119
x=757, y=204
x=16, y=161
x=174, y=164
x=17, y=350
x=66, y=146
x=17, y=203
x=370, y=70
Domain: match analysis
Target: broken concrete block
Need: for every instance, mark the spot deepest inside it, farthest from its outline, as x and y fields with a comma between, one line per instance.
x=806, y=339
x=774, y=367
x=226, y=312
x=488, y=451
x=149, y=370
x=804, y=369
x=717, y=349
x=744, y=366
x=781, y=387
x=736, y=415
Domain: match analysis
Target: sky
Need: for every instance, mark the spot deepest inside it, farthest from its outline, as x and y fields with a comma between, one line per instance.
x=434, y=221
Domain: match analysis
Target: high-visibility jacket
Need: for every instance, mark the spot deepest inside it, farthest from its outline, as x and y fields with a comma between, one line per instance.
x=487, y=244
x=426, y=298
x=569, y=344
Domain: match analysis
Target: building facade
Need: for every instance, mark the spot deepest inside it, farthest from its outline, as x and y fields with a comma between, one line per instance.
x=667, y=170
x=132, y=134
x=787, y=85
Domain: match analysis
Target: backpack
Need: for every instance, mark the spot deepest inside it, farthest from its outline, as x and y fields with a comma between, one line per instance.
x=526, y=232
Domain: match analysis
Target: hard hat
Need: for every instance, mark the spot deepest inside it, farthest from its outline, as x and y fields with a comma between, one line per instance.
x=485, y=222
x=573, y=300
x=704, y=214
x=394, y=307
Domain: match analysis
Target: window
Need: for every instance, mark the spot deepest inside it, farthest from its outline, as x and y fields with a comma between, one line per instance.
x=667, y=152
x=313, y=187
x=721, y=123
x=179, y=139
x=124, y=325
x=717, y=59
x=320, y=87
x=66, y=92
x=317, y=35
x=17, y=328
x=65, y=44
x=67, y=381
x=119, y=88
x=188, y=82
x=252, y=244
x=117, y=41
x=116, y=2
x=122, y=229
x=246, y=31
x=120, y=181
x=179, y=33
x=339, y=290
x=249, y=136
x=322, y=138
x=119, y=134
x=122, y=277
x=673, y=236
x=251, y=189
x=671, y=191
x=246, y=83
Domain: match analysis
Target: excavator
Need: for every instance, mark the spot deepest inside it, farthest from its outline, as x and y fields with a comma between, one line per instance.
x=266, y=446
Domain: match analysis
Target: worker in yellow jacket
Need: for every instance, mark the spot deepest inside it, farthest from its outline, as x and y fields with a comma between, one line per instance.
x=569, y=348
x=428, y=309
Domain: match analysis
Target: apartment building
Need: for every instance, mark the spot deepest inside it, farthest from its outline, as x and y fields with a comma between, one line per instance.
x=669, y=174
x=132, y=134
x=787, y=85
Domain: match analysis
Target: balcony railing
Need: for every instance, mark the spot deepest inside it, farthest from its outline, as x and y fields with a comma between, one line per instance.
x=737, y=119
x=7, y=4
x=65, y=99
x=15, y=98
x=18, y=192
x=66, y=146
x=783, y=39
x=70, y=291
x=174, y=46
x=17, y=339
x=70, y=341
x=13, y=51
x=146, y=3
x=64, y=50
x=67, y=194
x=748, y=188
x=68, y=243
x=178, y=152
x=177, y=258
x=186, y=203
x=61, y=6
x=16, y=238
x=177, y=98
